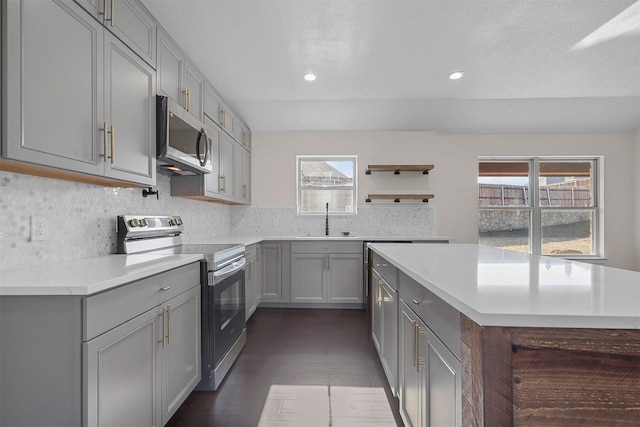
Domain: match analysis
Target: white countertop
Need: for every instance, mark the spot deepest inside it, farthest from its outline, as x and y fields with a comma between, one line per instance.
x=247, y=240
x=496, y=287
x=88, y=276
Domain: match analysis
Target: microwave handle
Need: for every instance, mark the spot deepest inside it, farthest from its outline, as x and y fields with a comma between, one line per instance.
x=206, y=153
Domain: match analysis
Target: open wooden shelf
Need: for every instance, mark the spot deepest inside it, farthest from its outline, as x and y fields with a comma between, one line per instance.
x=397, y=197
x=396, y=169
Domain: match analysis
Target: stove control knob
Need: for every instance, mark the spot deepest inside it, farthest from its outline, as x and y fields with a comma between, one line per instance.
x=172, y=222
x=179, y=221
x=143, y=222
x=134, y=223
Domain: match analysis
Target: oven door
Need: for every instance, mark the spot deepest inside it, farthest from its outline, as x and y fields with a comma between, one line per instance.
x=228, y=297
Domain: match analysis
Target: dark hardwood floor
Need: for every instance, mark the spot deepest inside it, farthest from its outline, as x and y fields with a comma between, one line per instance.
x=294, y=347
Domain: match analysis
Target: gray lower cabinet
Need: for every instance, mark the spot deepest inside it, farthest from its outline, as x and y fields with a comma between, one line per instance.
x=384, y=311
x=123, y=369
x=253, y=280
x=88, y=115
x=275, y=263
x=326, y=273
x=127, y=356
x=430, y=375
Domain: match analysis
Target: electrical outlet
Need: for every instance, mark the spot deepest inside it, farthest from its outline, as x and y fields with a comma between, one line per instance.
x=39, y=229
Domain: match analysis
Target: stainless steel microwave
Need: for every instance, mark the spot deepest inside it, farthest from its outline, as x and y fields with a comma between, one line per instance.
x=182, y=144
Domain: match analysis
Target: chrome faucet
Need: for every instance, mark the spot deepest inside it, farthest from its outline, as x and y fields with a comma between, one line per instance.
x=326, y=227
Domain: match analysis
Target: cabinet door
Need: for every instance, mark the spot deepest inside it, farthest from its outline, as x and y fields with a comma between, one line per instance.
x=257, y=277
x=444, y=406
x=170, y=67
x=226, y=118
x=249, y=289
x=212, y=180
x=345, y=278
x=53, y=114
x=376, y=311
x=194, y=85
x=271, y=272
x=129, y=88
x=211, y=103
x=389, y=353
x=130, y=22
x=181, y=355
x=121, y=372
x=242, y=172
x=308, y=277
x=411, y=396
x=226, y=167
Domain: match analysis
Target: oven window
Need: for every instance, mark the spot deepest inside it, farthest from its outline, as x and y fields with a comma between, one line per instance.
x=230, y=304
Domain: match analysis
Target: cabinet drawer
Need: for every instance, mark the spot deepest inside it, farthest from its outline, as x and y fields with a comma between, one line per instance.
x=388, y=272
x=109, y=309
x=326, y=247
x=439, y=316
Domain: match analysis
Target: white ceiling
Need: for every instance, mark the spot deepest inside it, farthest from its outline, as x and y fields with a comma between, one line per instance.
x=384, y=64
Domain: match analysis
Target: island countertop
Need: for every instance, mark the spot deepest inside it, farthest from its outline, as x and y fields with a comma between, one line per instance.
x=497, y=287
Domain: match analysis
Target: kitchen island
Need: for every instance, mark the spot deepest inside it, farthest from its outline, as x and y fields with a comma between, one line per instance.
x=542, y=340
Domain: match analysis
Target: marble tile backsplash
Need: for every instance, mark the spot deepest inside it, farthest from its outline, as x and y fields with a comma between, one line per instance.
x=81, y=217
x=400, y=221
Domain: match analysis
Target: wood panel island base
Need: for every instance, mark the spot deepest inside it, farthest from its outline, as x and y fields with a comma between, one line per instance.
x=494, y=338
x=549, y=376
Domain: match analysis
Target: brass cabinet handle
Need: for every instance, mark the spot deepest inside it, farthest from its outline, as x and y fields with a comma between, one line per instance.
x=168, y=324
x=224, y=183
x=224, y=118
x=382, y=265
x=186, y=99
x=104, y=9
x=113, y=16
x=244, y=191
x=416, y=302
x=166, y=288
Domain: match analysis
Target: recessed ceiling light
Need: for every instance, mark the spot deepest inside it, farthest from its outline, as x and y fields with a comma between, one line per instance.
x=456, y=75
x=310, y=77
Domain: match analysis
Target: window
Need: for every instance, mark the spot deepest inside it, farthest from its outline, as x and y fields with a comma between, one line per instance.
x=541, y=205
x=327, y=179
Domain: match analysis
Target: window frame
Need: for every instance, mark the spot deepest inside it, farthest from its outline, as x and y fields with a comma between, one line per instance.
x=536, y=210
x=327, y=158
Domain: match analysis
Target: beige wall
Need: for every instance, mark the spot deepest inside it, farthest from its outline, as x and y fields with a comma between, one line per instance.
x=454, y=179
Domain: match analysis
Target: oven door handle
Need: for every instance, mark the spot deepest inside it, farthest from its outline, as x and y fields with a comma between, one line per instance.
x=229, y=270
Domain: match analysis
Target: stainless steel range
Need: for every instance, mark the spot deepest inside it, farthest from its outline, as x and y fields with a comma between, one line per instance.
x=222, y=275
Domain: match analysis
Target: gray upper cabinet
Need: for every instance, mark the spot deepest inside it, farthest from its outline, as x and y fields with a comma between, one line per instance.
x=212, y=102
x=58, y=119
x=170, y=68
x=130, y=21
x=178, y=78
x=226, y=168
x=242, y=172
x=226, y=118
x=53, y=120
x=242, y=134
x=194, y=85
x=129, y=114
